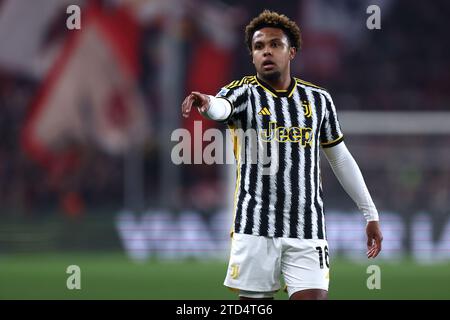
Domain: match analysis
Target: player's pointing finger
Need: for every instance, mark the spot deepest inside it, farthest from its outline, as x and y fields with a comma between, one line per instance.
x=186, y=106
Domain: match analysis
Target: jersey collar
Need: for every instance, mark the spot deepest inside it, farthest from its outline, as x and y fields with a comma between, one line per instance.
x=277, y=93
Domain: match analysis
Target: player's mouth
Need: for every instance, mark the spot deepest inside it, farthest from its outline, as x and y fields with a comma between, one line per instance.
x=268, y=65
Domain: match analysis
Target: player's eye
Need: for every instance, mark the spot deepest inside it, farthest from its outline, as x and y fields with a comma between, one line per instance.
x=275, y=44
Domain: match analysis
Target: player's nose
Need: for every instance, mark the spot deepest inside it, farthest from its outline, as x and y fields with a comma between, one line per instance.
x=267, y=52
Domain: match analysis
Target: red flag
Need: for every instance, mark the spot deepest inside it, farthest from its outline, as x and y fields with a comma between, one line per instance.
x=90, y=97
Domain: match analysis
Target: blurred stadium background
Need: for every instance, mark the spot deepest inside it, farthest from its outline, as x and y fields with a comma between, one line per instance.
x=86, y=118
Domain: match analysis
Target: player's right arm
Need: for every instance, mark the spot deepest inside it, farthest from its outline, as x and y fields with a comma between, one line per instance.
x=209, y=106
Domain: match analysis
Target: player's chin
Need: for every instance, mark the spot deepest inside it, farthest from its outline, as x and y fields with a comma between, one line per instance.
x=270, y=74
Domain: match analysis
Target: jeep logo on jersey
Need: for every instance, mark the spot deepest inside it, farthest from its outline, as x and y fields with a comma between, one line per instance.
x=287, y=134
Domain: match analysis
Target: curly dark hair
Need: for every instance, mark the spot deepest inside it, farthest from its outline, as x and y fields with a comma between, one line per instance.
x=274, y=20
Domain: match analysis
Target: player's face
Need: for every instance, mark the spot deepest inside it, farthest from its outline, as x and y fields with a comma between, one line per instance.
x=271, y=53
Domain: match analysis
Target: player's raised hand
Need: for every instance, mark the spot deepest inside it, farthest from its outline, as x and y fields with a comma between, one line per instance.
x=374, y=239
x=195, y=99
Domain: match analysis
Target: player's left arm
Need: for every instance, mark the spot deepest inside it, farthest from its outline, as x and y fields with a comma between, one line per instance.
x=350, y=177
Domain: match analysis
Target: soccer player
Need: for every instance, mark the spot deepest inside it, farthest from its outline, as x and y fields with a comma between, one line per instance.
x=279, y=226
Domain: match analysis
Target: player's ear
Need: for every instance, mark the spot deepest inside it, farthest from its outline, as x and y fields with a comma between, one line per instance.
x=292, y=52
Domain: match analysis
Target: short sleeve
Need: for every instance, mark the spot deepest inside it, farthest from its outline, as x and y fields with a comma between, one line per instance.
x=237, y=96
x=330, y=131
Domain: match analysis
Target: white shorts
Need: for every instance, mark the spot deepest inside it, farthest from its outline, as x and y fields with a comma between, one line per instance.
x=257, y=262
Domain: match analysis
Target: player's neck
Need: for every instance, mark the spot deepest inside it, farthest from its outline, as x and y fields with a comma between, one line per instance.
x=281, y=83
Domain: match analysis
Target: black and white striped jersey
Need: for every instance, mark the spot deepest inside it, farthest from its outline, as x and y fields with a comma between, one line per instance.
x=276, y=136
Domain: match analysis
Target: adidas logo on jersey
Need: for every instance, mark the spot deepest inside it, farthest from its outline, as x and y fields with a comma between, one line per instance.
x=264, y=112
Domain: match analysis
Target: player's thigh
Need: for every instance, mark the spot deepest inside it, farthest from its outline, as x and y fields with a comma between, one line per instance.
x=305, y=266
x=254, y=264
x=254, y=295
x=309, y=294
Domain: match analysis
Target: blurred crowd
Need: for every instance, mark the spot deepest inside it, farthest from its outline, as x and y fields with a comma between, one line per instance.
x=179, y=46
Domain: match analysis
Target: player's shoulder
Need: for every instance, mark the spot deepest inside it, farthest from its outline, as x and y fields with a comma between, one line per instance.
x=237, y=84
x=312, y=86
x=247, y=80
